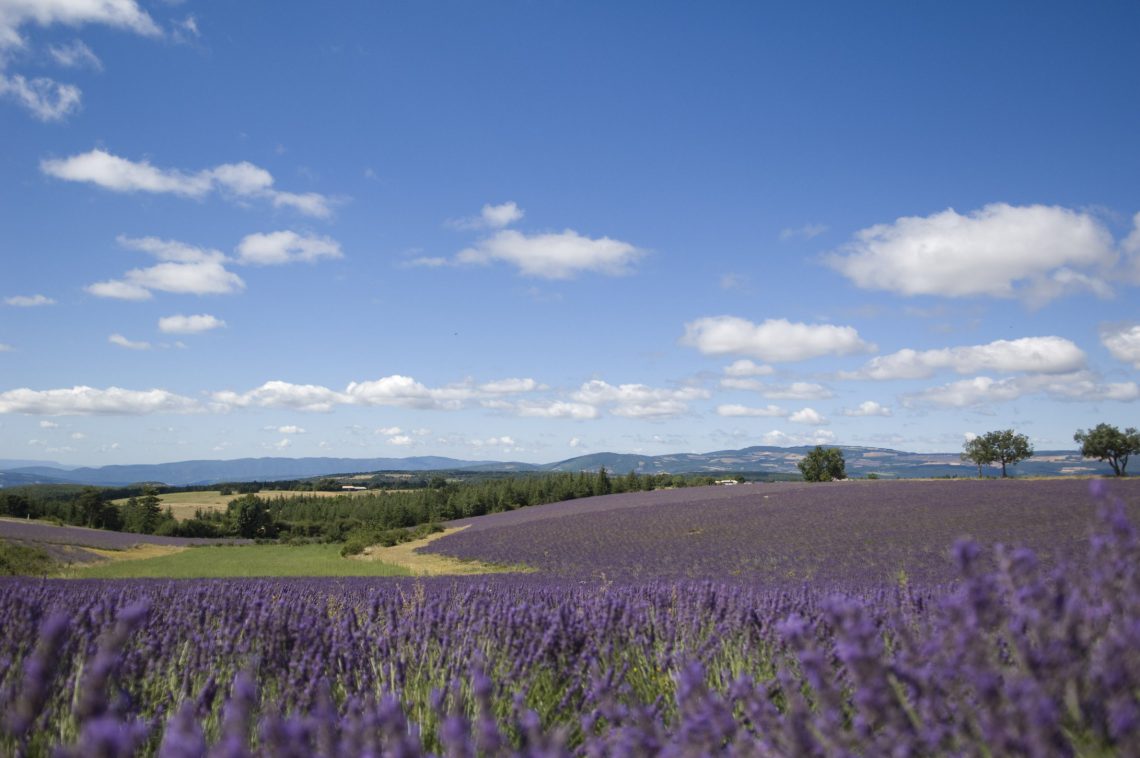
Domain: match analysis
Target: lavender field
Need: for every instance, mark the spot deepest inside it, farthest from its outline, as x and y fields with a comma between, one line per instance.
x=857, y=533
x=1012, y=656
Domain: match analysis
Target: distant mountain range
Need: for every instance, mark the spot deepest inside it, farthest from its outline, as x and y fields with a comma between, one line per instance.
x=861, y=461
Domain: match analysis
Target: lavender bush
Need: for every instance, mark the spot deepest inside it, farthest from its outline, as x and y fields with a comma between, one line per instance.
x=1014, y=658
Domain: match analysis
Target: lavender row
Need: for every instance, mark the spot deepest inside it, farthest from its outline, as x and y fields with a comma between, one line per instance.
x=840, y=534
x=34, y=531
x=1019, y=659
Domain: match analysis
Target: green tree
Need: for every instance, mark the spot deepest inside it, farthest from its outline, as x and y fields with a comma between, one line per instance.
x=602, y=485
x=1006, y=447
x=250, y=517
x=823, y=465
x=1109, y=444
x=978, y=452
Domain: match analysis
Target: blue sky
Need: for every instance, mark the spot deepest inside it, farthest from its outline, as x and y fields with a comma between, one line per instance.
x=532, y=230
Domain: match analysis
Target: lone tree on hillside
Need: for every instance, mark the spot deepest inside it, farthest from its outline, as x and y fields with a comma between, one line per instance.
x=1109, y=444
x=1006, y=447
x=823, y=465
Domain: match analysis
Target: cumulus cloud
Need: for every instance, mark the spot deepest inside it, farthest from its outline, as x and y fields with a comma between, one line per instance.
x=796, y=391
x=47, y=99
x=202, y=322
x=401, y=440
x=285, y=247
x=985, y=390
x=1124, y=343
x=121, y=341
x=638, y=400
x=491, y=217
x=75, y=54
x=808, y=416
x=868, y=408
x=732, y=411
x=555, y=409
x=200, y=278
x=1046, y=355
x=29, y=301
x=774, y=340
x=394, y=390
x=123, y=14
x=287, y=429
x=170, y=250
x=241, y=181
x=510, y=386
x=279, y=394
x=778, y=438
x=745, y=367
x=82, y=401
x=561, y=255
x=1000, y=250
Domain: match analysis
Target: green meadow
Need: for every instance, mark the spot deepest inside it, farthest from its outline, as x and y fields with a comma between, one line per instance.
x=241, y=561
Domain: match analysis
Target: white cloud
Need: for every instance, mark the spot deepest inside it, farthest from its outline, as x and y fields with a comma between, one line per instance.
x=406, y=392
x=29, y=301
x=775, y=340
x=807, y=231
x=575, y=443
x=119, y=290
x=285, y=247
x=123, y=14
x=401, y=440
x=745, y=367
x=48, y=425
x=868, y=408
x=1050, y=355
x=121, y=341
x=288, y=429
x=510, y=386
x=238, y=180
x=47, y=99
x=389, y=431
x=278, y=394
x=503, y=442
x=75, y=54
x=748, y=411
x=4, y=348
x=637, y=400
x=202, y=322
x=81, y=400
x=1000, y=251
x=553, y=256
x=797, y=391
x=283, y=443
x=808, y=416
x=985, y=390
x=498, y=216
x=78, y=435
x=199, y=278
x=491, y=217
x=1124, y=343
x=777, y=438
x=557, y=409
x=171, y=250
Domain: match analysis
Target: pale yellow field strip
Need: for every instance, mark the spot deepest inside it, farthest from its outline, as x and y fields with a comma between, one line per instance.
x=430, y=564
x=136, y=553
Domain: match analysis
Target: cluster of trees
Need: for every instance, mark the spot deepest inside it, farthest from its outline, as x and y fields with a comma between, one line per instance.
x=823, y=464
x=1103, y=442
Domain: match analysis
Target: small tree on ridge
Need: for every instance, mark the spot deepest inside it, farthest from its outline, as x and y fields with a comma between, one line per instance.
x=823, y=465
x=1107, y=443
x=1006, y=447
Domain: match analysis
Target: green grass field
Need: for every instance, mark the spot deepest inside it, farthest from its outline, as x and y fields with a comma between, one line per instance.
x=242, y=561
x=183, y=504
